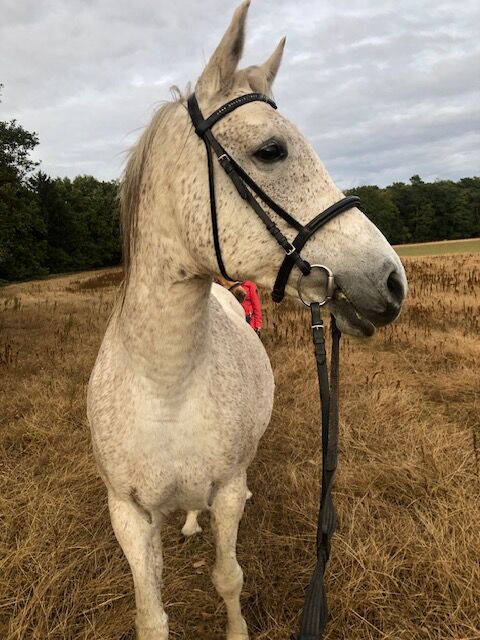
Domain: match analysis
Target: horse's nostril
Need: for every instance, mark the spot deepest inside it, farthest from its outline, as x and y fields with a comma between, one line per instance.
x=395, y=287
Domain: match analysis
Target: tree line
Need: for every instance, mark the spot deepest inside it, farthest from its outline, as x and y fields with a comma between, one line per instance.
x=51, y=225
x=424, y=211
x=56, y=225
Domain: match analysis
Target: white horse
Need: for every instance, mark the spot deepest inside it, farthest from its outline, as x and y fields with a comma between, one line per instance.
x=163, y=436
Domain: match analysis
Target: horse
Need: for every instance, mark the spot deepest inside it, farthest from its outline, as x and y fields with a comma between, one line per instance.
x=163, y=436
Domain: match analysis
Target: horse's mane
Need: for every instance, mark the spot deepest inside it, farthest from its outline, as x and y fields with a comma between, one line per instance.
x=130, y=187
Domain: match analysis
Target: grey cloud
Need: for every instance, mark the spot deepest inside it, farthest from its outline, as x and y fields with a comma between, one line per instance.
x=381, y=93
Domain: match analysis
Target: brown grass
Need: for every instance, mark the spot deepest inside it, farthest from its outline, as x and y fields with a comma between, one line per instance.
x=405, y=562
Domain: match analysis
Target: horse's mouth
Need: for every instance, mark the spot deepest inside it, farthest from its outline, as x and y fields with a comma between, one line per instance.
x=348, y=318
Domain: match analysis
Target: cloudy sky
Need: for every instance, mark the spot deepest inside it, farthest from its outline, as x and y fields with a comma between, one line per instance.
x=383, y=89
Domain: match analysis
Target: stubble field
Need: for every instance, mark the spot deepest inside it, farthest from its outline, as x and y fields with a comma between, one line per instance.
x=405, y=562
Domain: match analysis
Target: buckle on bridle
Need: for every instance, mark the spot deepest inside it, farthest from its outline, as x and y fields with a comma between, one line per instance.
x=291, y=249
x=330, y=290
x=224, y=160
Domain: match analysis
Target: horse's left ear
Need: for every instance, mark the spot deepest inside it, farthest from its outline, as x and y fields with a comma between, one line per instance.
x=271, y=66
x=218, y=75
x=261, y=77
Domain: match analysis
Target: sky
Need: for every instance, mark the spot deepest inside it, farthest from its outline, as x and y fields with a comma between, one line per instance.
x=383, y=90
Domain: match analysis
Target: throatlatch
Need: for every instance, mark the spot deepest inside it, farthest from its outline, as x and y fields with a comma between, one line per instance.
x=315, y=613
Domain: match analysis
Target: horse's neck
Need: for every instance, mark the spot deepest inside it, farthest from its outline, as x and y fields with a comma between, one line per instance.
x=164, y=325
x=163, y=322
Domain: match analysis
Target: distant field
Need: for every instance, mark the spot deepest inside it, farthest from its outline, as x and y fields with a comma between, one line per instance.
x=472, y=245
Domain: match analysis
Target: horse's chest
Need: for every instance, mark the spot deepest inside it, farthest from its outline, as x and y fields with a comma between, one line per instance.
x=184, y=443
x=177, y=458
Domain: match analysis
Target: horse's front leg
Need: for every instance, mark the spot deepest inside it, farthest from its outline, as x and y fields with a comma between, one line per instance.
x=138, y=533
x=227, y=509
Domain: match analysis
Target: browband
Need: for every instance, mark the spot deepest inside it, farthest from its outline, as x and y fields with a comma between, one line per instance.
x=201, y=125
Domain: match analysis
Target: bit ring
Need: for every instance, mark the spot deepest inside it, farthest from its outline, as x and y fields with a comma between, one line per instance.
x=330, y=285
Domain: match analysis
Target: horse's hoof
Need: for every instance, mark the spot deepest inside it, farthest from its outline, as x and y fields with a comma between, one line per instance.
x=191, y=530
x=191, y=526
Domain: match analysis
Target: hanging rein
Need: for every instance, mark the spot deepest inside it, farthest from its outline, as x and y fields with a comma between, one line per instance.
x=315, y=612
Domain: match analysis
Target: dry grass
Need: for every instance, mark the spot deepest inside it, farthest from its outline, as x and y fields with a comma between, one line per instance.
x=405, y=561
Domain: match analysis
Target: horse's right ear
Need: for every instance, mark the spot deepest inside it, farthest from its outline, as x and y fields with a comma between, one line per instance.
x=218, y=75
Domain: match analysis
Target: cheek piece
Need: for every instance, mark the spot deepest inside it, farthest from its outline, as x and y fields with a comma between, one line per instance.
x=247, y=187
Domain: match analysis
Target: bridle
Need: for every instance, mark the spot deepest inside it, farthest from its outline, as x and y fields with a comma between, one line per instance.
x=245, y=185
x=315, y=610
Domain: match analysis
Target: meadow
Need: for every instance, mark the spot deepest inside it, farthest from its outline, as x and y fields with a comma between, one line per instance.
x=444, y=247
x=405, y=561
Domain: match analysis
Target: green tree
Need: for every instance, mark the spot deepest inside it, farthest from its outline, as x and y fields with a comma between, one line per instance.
x=23, y=245
x=56, y=212
x=94, y=205
x=22, y=229
x=82, y=221
x=470, y=187
x=16, y=144
x=382, y=210
x=453, y=215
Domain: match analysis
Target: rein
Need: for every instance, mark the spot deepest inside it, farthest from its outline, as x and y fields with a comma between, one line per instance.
x=315, y=612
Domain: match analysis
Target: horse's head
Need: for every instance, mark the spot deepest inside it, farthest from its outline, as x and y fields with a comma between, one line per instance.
x=368, y=273
x=370, y=277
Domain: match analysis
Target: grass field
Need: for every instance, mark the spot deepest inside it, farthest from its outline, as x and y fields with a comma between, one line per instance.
x=446, y=247
x=405, y=561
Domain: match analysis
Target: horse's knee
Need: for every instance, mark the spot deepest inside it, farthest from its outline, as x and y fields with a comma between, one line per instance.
x=228, y=581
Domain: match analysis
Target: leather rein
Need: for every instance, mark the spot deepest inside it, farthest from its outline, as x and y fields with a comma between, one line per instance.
x=315, y=611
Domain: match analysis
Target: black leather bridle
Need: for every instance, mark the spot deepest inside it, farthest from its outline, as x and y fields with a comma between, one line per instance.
x=315, y=611
x=245, y=185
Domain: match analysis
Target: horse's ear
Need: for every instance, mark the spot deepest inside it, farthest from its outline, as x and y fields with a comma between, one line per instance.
x=271, y=66
x=218, y=75
x=260, y=77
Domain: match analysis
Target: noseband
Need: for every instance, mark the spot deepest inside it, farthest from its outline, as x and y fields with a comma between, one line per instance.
x=245, y=185
x=315, y=611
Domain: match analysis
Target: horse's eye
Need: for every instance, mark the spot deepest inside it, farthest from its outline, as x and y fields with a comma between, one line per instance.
x=272, y=151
